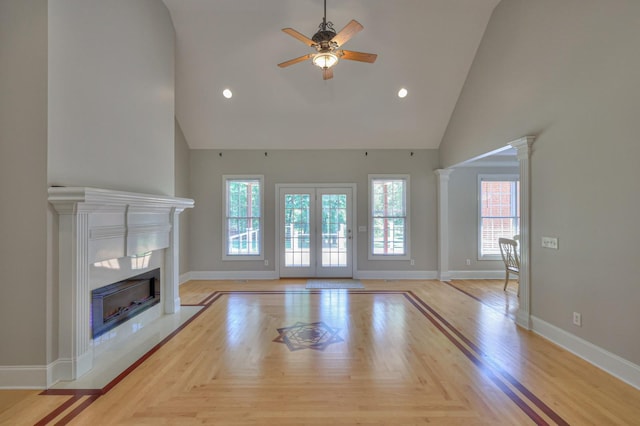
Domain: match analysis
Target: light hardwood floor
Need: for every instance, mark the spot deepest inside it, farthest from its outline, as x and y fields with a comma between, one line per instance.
x=401, y=353
x=491, y=294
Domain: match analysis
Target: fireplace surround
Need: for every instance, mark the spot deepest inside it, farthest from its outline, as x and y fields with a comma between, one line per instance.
x=97, y=225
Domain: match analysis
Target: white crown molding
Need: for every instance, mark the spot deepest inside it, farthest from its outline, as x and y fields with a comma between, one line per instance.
x=613, y=364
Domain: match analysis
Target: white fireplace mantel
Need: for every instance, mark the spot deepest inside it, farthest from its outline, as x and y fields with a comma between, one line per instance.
x=100, y=224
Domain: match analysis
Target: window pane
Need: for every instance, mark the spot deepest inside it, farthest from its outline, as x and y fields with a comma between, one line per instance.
x=499, y=213
x=243, y=217
x=388, y=197
x=244, y=198
x=388, y=211
x=243, y=237
x=493, y=229
x=389, y=236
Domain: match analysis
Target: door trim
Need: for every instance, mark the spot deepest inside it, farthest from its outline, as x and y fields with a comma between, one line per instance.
x=354, y=216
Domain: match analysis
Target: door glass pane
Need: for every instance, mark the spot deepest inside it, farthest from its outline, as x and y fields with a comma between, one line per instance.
x=334, y=230
x=296, y=231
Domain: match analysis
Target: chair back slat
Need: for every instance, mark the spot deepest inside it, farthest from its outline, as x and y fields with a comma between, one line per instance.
x=509, y=252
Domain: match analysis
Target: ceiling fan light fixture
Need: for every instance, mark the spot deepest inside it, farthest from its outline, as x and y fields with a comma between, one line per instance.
x=325, y=59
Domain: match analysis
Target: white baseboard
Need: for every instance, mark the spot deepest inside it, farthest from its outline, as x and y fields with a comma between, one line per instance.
x=58, y=370
x=183, y=278
x=611, y=363
x=233, y=275
x=23, y=376
x=396, y=275
x=444, y=276
x=476, y=275
x=272, y=275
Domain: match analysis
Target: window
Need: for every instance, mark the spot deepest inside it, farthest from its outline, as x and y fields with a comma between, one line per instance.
x=498, y=212
x=243, y=218
x=389, y=220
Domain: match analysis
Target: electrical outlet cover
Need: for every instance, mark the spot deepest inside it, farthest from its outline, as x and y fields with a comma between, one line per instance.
x=550, y=242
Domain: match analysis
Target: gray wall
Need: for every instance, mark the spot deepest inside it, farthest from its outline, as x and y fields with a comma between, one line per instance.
x=111, y=95
x=322, y=166
x=567, y=72
x=79, y=94
x=23, y=181
x=182, y=190
x=463, y=218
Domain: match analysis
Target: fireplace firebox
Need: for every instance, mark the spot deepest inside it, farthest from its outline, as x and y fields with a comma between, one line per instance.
x=116, y=303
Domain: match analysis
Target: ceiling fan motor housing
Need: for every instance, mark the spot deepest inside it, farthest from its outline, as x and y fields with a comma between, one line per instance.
x=323, y=36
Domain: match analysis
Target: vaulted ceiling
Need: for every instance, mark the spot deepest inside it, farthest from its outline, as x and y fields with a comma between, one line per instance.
x=425, y=46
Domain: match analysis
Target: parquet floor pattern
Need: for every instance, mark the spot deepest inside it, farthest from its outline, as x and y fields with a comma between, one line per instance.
x=412, y=352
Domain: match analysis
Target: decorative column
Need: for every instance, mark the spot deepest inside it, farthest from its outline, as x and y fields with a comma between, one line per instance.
x=523, y=149
x=443, y=223
x=74, y=318
x=172, y=265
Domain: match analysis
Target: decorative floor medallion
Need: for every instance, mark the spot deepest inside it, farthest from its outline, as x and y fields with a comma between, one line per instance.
x=315, y=335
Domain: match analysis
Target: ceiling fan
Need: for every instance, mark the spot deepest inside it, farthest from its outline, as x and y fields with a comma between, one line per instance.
x=327, y=44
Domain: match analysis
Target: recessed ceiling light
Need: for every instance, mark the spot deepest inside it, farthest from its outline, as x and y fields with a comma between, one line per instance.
x=402, y=93
x=227, y=93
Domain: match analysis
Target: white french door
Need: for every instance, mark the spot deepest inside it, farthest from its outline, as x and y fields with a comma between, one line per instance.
x=315, y=226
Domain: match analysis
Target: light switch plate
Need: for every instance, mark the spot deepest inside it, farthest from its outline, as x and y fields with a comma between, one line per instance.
x=550, y=242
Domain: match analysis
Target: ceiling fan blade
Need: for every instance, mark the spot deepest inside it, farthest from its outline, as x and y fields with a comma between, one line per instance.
x=359, y=56
x=351, y=29
x=327, y=73
x=295, y=61
x=295, y=34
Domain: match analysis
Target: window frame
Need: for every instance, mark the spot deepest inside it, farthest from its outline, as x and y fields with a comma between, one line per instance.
x=407, y=217
x=225, y=218
x=507, y=177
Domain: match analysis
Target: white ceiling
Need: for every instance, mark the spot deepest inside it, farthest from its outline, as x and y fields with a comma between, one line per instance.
x=426, y=46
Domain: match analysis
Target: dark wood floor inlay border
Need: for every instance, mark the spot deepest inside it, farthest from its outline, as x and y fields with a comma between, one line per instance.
x=505, y=382
x=525, y=399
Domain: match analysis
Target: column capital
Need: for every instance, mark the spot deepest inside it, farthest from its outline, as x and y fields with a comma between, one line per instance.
x=443, y=173
x=523, y=146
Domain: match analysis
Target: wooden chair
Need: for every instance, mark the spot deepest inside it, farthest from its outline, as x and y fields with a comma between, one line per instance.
x=509, y=252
